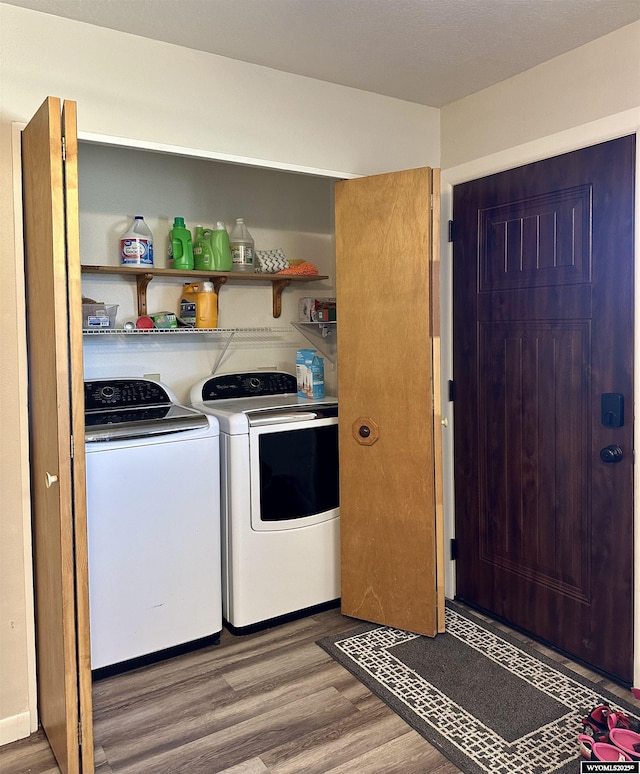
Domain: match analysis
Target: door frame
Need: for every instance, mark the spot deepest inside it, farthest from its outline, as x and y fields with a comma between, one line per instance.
x=29, y=722
x=618, y=125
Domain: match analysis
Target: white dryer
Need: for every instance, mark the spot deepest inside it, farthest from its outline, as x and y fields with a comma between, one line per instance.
x=280, y=496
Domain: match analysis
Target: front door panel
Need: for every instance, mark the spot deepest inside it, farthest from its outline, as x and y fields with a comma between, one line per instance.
x=543, y=324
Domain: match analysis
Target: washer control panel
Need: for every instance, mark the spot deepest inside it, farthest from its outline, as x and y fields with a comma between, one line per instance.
x=123, y=393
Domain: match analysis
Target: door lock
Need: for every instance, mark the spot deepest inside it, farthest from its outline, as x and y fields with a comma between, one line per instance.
x=611, y=453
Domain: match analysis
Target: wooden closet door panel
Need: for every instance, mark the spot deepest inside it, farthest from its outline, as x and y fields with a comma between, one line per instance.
x=56, y=486
x=385, y=385
x=76, y=383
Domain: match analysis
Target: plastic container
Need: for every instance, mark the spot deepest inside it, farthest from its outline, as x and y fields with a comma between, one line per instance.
x=144, y=323
x=242, y=248
x=220, y=248
x=180, y=246
x=99, y=315
x=206, y=307
x=202, y=251
x=136, y=245
x=188, y=300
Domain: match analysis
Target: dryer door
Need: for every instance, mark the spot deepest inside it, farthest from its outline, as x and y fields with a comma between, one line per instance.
x=294, y=473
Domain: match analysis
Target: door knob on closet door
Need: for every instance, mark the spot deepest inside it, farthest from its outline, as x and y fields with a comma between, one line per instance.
x=50, y=479
x=365, y=431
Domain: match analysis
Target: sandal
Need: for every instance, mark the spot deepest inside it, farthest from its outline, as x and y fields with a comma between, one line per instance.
x=596, y=723
x=617, y=719
x=600, y=751
x=627, y=741
x=602, y=719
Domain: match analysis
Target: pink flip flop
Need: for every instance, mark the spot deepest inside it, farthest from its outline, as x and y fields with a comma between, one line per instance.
x=600, y=751
x=627, y=741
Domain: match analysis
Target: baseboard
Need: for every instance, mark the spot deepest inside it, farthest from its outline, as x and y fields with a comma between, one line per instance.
x=15, y=727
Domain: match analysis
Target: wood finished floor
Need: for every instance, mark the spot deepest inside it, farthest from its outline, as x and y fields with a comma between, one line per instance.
x=266, y=702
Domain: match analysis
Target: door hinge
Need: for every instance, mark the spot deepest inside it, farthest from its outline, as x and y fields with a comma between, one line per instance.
x=452, y=390
x=79, y=733
x=431, y=201
x=64, y=149
x=450, y=233
x=72, y=446
x=453, y=549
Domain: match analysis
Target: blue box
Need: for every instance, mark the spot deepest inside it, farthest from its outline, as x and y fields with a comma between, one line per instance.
x=310, y=374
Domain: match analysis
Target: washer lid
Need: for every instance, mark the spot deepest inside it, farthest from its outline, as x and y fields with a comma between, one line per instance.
x=121, y=409
x=234, y=414
x=141, y=423
x=291, y=414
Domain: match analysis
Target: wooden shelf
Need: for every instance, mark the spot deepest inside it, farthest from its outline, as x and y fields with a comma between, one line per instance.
x=144, y=275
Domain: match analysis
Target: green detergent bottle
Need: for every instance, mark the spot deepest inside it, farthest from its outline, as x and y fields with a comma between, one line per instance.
x=180, y=246
x=220, y=249
x=203, y=259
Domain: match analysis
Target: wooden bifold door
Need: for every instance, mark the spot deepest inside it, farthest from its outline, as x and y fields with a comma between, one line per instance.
x=56, y=432
x=388, y=376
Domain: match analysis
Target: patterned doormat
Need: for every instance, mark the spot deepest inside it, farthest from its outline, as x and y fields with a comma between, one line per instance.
x=489, y=703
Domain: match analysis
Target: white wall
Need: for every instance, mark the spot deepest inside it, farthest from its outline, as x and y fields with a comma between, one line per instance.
x=599, y=79
x=152, y=92
x=584, y=97
x=284, y=210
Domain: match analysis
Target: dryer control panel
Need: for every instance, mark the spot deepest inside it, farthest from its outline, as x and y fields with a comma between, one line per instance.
x=248, y=385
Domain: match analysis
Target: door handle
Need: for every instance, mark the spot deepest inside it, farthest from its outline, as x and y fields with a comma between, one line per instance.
x=611, y=453
x=365, y=431
x=50, y=479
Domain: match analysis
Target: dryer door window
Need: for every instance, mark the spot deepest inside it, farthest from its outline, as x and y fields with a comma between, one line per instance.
x=294, y=475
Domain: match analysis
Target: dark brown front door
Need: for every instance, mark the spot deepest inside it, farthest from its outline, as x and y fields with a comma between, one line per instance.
x=543, y=345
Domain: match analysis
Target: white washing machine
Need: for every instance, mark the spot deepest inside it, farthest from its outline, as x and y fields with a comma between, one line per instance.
x=280, y=496
x=153, y=521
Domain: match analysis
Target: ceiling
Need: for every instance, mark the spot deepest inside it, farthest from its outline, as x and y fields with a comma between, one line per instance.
x=431, y=52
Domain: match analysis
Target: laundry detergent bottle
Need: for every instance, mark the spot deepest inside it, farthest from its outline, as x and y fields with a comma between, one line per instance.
x=220, y=247
x=202, y=251
x=206, y=306
x=188, y=302
x=180, y=246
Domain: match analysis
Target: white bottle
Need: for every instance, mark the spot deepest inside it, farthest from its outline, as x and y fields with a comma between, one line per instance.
x=136, y=245
x=242, y=247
